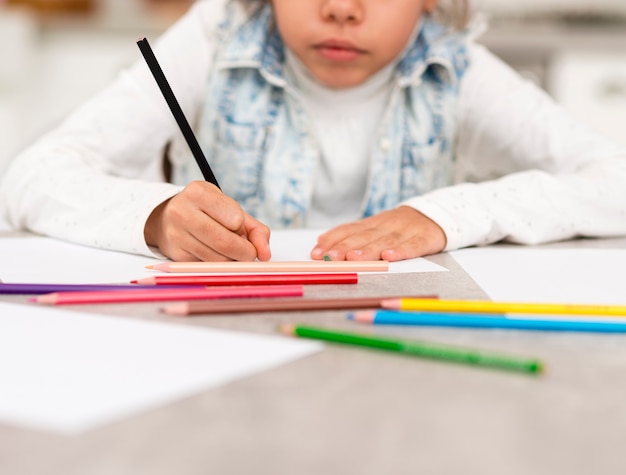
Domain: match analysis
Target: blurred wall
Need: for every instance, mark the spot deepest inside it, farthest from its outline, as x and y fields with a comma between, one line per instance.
x=575, y=49
x=55, y=54
x=53, y=58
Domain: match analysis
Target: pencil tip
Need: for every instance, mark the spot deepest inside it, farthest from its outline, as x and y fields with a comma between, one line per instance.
x=391, y=303
x=363, y=316
x=164, y=266
x=287, y=329
x=45, y=299
x=178, y=309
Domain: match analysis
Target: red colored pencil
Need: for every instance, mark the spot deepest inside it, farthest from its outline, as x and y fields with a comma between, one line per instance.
x=250, y=279
x=158, y=294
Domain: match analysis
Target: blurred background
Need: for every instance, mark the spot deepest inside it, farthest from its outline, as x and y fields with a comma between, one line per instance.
x=57, y=53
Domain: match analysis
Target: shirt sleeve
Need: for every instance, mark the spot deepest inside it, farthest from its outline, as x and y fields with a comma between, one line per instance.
x=526, y=172
x=96, y=178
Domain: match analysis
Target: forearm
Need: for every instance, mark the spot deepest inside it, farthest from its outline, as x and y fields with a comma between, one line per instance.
x=79, y=204
x=532, y=207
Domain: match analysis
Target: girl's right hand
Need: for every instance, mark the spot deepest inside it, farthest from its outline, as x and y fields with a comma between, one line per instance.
x=202, y=224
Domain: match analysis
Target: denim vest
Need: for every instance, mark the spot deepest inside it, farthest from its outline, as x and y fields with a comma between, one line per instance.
x=256, y=134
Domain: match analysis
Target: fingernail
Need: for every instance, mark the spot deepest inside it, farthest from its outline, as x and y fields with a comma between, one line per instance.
x=386, y=254
x=331, y=255
x=316, y=253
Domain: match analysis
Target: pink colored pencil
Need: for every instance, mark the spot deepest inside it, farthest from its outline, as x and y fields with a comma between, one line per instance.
x=251, y=279
x=159, y=294
x=273, y=266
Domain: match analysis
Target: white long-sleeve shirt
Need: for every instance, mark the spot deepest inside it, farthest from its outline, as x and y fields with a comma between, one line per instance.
x=525, y=171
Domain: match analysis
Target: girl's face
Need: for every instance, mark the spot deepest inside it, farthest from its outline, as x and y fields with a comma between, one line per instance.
x=344, y=42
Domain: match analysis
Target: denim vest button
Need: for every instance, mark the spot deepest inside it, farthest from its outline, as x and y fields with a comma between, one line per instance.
x=385, y=144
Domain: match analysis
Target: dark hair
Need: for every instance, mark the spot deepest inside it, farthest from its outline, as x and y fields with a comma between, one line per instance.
x=455, y=13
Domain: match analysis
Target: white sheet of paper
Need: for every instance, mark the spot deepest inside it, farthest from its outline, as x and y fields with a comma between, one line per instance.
x=524, y=274
x=46, y=260
x=68, y=372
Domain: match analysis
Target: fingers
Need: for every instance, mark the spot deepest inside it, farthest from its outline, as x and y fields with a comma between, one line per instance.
x=200, y=223
x=368, y=245
x=208, y=240
x=336, y=242
x=394, y=235
x=211, y=201
x=347, y=238
x=259, y=236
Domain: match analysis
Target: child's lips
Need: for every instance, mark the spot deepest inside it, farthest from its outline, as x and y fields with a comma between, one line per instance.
x=339, y=50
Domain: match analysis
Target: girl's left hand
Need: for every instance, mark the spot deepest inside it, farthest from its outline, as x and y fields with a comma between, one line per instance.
x=394, y=235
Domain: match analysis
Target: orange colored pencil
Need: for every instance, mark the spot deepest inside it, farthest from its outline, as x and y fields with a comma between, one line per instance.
x=160, y=294
x=251, y=279
x=273, y=266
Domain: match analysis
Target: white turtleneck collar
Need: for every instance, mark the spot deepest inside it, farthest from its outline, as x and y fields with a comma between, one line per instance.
x=344, y=123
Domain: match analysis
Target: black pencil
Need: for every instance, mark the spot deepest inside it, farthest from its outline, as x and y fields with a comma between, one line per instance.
x=172, y=102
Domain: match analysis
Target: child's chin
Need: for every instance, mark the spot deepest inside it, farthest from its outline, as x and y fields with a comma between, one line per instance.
x=341, y=80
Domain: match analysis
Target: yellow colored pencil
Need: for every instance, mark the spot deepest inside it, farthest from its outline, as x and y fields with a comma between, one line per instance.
x=485, y=306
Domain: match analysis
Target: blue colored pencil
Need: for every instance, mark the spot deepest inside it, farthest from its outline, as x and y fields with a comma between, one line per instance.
x=468, y=320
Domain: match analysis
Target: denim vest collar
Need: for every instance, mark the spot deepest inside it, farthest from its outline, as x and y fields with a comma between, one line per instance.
x=257, y=44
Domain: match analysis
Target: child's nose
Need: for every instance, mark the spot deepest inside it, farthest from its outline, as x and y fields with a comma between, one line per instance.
x=343, y=11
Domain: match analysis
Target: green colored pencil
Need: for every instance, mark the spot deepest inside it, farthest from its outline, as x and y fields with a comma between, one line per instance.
x=420, y=349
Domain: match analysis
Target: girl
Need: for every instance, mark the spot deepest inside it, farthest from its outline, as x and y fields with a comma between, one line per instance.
x=375, y=119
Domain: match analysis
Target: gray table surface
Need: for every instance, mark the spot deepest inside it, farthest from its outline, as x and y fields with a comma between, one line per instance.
x=348, y=410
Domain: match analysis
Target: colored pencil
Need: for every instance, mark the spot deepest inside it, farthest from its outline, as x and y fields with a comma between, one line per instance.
x=477, y=306
x=469, y=320
x=25, y=288
x=158, y=294
x=251, y=279
x=273, y=266
x=274, y=305
x=420, y=349
x=179, y=116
